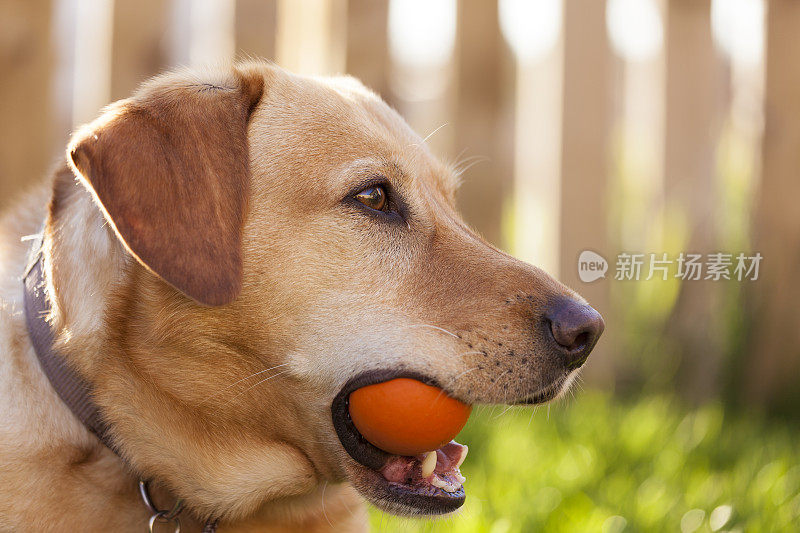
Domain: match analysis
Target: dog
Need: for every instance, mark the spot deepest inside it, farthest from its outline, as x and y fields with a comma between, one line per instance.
x=222, y=258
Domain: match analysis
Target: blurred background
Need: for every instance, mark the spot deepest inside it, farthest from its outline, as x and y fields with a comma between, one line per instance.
x=616, y=126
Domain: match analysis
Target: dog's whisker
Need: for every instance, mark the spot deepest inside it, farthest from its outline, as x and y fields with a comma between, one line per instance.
x=458, y=160
x=455, y=163
x=468, y=163
x=324, y=513
x=504, y=411
x=533, y=412
x=456, y=378
x=431, y=134
x=496, y=383
x=239, y=381
x=498, y=379
x=466, y=160
x=433, y=327
x=469, y=353
x=257, y=384
x=347, y=506
x=452, y=380
x=579, y=382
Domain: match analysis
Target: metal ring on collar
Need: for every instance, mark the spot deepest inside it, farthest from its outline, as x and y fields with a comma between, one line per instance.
x=162, y=517
x=158, y=514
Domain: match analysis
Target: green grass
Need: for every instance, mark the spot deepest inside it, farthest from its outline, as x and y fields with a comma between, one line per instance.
x=598, y=464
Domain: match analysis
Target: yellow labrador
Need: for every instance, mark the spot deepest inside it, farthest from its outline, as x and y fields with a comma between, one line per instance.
x=225, y=256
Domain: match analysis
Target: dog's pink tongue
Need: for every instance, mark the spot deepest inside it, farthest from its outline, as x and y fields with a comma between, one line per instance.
x=399, y=468
x=446, y=474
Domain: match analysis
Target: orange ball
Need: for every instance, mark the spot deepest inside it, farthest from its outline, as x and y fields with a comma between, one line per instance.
x=407, y=417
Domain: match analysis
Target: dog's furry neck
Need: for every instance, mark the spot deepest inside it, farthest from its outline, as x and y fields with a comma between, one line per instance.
x=54, y=456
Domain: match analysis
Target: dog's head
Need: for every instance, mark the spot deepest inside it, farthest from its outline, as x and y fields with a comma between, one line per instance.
x=286, y=240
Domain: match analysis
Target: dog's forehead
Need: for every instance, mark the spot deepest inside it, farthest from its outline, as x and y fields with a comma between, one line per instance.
x=334, y=125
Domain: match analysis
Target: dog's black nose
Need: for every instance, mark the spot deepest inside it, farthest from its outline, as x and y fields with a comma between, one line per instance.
x=576, y=327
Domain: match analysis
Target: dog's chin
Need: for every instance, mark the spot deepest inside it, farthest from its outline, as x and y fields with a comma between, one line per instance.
x=550, y=392
x=399, y=498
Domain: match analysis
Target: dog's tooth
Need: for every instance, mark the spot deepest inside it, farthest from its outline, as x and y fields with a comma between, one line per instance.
x=438, y=482
x=459, y=477
x=463, y=456
x=428, y=464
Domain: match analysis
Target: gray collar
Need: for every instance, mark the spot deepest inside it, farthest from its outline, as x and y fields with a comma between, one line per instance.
x=71, y=387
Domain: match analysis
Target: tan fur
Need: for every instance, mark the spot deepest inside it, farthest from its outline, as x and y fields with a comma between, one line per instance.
x=228, y=406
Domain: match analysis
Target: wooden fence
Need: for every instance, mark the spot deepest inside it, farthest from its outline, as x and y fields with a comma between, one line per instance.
x=575, y=147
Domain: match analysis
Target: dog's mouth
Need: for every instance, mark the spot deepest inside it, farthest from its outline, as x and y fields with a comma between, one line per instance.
x=429, y=483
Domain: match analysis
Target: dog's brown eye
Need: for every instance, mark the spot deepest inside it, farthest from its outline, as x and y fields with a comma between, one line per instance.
x=373, y=197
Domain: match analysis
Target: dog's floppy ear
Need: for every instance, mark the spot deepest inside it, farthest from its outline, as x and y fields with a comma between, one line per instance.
x=170, y=169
